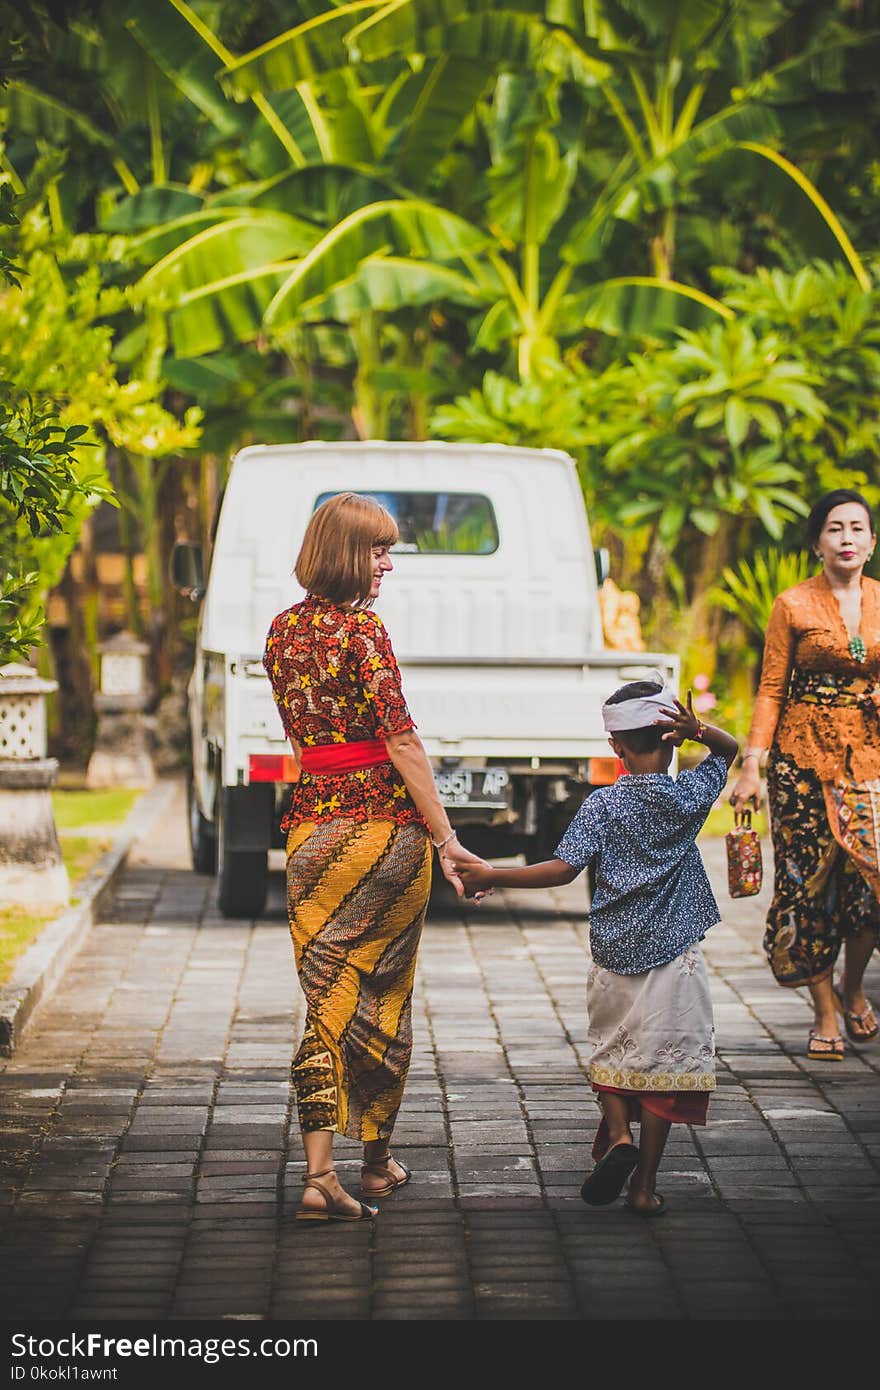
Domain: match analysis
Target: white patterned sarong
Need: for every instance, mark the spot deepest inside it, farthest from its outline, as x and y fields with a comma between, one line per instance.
x=653, y=1031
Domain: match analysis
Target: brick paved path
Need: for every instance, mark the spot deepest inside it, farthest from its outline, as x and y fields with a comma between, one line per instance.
x=150, y=1165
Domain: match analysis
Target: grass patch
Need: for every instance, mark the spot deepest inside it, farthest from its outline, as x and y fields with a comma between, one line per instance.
x=75, y=809
x=17, y=930
x=81, y=853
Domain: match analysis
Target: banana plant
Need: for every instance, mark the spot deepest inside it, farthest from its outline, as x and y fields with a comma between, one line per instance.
x=403, y=249
x=527, y=220
x=663, y=90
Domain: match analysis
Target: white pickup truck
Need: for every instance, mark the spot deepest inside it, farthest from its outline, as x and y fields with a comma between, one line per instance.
x=493, y=613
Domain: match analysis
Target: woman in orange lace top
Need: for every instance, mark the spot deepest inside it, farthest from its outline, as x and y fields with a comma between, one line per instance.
x=818, y=712
x=361, y=821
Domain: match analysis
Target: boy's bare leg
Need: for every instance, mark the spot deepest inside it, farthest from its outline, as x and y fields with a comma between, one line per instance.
x=616, y=1112
x=652, y=1142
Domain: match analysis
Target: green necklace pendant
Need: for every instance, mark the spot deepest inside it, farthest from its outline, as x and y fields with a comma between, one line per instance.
x=857, y=648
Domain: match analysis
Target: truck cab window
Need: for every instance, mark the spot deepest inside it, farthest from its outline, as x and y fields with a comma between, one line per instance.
x=438, y=523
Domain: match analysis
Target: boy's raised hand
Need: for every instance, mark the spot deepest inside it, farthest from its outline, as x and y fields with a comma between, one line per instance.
x=683, y=723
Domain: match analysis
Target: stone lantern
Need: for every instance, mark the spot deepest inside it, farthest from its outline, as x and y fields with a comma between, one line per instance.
x=32, y=872
x=121, y=756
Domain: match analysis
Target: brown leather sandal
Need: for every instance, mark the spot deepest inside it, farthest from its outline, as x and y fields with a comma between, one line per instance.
x=860, y=1028
x=333, y=1211
x=821, y=1049
x=381, y=1169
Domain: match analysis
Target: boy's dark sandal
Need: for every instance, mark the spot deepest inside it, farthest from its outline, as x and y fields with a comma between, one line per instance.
x=605, y=1183
x=658, y=1209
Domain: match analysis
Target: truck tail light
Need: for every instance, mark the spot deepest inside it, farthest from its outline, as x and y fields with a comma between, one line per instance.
x=601, y=772
x=273, y=767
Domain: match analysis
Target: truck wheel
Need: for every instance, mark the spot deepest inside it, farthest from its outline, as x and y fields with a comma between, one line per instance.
x=202, y=838
x=242, y=875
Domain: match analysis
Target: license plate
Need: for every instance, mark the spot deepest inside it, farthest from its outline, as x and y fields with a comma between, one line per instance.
x=464, y=786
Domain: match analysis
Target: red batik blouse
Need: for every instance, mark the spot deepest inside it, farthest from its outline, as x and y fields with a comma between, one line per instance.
x=335, y=680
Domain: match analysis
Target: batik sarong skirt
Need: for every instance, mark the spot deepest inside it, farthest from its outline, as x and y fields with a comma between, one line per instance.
x=826, y=840
x=653, y=1039
x=356, y=894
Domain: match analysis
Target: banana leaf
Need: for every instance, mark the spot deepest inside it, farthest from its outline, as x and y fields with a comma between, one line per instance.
x=409, y=227
x=225, y=311
x=689, y=24
x=449, y=93
x=639, y=306
x=263, y=154
x=532, y=190
x=415, y=26
x=152, y=206
x=297, y=55
x=388, y=283
x=207, y=379
x=659, y=178
x=323, y=192
x=790, y=188
x=341, y=118
x=32, y=112
x=245, y=244
x=186, y=232
x=834, y=69
x=184, y=57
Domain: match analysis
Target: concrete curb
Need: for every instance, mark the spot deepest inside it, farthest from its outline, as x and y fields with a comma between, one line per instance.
x=38, y=971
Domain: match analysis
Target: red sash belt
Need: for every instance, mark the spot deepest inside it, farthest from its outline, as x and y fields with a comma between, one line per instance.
x=344, y=757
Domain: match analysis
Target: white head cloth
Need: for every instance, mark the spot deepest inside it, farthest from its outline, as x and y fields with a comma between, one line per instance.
x=639, y=713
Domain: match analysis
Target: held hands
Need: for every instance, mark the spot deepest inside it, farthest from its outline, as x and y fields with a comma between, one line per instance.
x=456, y=862
x=684, y=723
x=476, y=879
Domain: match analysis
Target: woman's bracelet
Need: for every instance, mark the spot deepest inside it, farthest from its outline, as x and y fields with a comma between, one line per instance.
x=751, y=753
x=440, y=844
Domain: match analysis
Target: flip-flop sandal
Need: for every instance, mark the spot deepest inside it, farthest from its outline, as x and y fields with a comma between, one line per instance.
x=832, y=1049
x=605, y=1184
x=658, y=1209
x=860, y=1028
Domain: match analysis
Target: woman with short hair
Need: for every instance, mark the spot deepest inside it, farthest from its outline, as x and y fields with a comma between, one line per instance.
x=817, y=713
x=361, y=821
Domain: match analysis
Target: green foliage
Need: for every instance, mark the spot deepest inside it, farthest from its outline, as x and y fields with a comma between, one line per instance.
x=75, y=810
x=9, y=270
x=750, y=588
x=62, y=404
x=827, y=322
x=548, y=413
x=38, y=466
x=363, y=209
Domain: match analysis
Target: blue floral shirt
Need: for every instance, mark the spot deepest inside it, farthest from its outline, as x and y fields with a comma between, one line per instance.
x=652, y=896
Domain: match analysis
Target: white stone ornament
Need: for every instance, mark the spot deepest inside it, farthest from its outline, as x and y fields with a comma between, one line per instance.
x=32, y=872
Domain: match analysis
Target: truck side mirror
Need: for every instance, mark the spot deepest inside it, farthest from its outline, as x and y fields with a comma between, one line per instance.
x=188, y=570
x=602, y=557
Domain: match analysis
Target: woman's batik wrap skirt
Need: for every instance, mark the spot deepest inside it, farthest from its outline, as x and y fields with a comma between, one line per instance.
x=826, y=850
x=356, y=894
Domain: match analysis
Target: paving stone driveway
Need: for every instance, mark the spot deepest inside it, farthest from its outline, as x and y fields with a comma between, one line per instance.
x=151, y=1162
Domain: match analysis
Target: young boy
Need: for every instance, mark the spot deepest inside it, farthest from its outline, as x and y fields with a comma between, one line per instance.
x=648, y=1005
